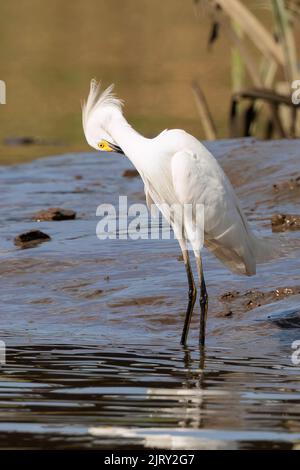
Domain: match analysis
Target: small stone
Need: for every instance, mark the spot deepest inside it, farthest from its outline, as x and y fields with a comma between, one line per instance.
x=132, y=173
x=31, y=239
x=55, y=213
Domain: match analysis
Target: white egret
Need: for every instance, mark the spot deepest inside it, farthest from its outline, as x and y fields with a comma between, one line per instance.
x=177, y=169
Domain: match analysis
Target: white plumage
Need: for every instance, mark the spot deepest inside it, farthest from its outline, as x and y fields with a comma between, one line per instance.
x=177, y=169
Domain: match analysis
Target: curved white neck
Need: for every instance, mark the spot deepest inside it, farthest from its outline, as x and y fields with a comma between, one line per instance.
x=131, y=142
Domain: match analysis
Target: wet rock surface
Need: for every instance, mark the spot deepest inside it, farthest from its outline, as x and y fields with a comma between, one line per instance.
x=31, y=238
x=54, y=213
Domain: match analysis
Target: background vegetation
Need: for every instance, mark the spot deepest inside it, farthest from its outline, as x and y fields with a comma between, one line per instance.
x=151, y=50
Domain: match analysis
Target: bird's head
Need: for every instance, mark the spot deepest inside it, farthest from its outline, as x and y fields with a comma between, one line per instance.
x=97, y=113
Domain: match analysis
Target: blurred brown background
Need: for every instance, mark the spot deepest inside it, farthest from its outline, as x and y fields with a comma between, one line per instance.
x=151, y=50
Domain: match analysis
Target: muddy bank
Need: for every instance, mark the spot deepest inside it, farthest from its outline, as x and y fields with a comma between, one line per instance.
x=283, y=222
x=236, y=301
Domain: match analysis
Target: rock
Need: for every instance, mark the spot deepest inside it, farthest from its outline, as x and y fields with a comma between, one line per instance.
x=283, y=222
x=130, y=173
x=54, y=213
x=31, y=238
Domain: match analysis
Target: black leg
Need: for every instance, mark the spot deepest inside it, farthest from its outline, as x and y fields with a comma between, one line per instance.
x=192, y=298
x=203, y=302
x=203, y=314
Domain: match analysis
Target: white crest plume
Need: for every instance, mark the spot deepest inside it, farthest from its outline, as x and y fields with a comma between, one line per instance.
x=98, y=99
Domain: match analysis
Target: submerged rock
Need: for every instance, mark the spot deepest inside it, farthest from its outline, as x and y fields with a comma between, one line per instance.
x=31, y=238
x=283, y=222
x=54, y=213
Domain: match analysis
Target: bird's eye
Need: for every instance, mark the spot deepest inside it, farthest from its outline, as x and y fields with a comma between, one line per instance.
x=101, y=145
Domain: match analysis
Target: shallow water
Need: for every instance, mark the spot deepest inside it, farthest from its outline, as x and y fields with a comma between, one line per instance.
x=92, y=327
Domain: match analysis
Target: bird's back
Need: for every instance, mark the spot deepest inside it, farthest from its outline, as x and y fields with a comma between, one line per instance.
x=197, y=178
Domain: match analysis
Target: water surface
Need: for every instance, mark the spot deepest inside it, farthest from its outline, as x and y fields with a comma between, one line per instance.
x=92, y=327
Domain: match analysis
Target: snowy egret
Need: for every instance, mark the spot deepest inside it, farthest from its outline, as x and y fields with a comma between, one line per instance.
x=177, y=169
